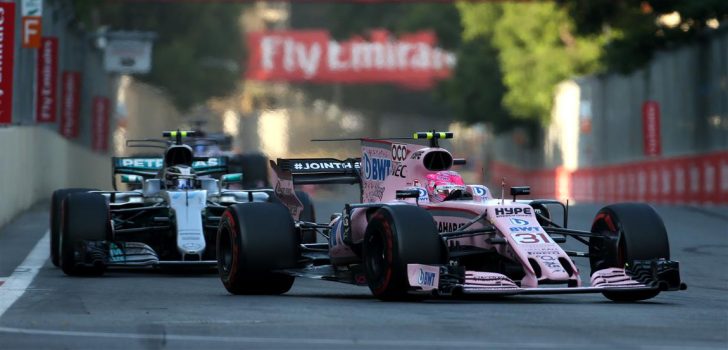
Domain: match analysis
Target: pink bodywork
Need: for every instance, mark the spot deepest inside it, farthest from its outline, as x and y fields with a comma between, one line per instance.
x=388, y=166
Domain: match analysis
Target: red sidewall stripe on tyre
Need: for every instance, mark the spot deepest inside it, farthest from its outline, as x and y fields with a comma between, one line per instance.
x=389, y=247
x=232, y=235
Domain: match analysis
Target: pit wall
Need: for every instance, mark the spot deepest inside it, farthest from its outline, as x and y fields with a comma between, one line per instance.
x=35, y=161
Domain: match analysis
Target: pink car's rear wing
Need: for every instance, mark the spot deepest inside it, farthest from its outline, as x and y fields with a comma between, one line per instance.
x=318, y=171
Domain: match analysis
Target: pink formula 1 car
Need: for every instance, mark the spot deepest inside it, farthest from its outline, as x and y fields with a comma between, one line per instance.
x=420, y=230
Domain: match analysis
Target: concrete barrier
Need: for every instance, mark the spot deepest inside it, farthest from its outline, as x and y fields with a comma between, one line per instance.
x=35, y=161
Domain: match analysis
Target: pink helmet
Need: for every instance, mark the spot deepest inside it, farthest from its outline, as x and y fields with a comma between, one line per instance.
x=442, y=183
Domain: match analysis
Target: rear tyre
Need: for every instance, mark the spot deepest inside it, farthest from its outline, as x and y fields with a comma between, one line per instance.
x=627, y=232
x=56, y=201
x=396, y=236
x=254, y=239
x=309, y=215
x=85, y=217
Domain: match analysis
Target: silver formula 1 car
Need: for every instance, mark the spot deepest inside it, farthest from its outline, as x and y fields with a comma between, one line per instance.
x=168, y=215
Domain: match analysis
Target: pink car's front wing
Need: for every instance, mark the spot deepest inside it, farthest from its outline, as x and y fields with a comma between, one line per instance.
x=641, y=275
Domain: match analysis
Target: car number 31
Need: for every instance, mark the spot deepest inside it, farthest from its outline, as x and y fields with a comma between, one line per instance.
x=531, y=238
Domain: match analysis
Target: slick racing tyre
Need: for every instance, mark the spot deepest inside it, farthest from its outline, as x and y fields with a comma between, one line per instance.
x=627, y=232
x=85, y=217
x=56, y=201
x=309, y=215
x=396, y=236
x=254, y=239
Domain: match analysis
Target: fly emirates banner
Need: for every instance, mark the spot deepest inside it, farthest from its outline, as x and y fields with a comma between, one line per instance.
x=411, y=60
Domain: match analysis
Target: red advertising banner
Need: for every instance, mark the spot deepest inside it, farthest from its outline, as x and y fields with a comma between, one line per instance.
x=70, y=103
x=100, y=124
x=651, y=128
x=31, y=32
x=7, y=46
x=31, y=23
x=690, y=179
x=412, y=60
x=46, y=97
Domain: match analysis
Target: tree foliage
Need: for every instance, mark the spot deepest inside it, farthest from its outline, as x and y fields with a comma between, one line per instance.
x=198, y=49
x=475, y=90
x=534, y=55
x=512, y=55
x=637, y=29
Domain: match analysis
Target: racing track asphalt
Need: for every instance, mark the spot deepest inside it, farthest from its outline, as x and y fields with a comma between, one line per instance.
x=151, y=310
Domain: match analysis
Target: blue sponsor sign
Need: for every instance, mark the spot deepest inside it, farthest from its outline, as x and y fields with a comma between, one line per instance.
x=480, y=191
x=525, y=229
x=519, y=222
x=426, y=278
x=376, y=169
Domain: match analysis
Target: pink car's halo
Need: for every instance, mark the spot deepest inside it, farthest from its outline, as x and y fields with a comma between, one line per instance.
x=442, y=183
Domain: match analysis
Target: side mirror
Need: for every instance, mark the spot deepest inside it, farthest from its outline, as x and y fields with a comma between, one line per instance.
x=228, y=179
x=402, y=194
x=520, y=191
x=132, y=179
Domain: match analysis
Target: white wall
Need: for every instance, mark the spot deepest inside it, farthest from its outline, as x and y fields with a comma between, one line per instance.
x=561, y=142
x=36, y=161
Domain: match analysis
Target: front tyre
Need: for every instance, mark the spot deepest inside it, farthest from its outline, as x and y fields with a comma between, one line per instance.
x=85, y=217
x=253, y=240
x=56, y=202
x=396, y=236
x=627, y=232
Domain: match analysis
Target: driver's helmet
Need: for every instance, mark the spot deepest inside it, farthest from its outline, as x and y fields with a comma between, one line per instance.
x=179, y=177
x=442, y=183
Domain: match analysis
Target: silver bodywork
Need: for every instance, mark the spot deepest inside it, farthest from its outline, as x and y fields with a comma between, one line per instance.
x=186, y=208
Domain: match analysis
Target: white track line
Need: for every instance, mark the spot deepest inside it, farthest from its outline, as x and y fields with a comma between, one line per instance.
x=364, y=341
x=297, y=342
x=18, y=282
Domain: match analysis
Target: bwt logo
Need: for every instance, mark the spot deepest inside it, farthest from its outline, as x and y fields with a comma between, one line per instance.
x=376, y=168
x=512, y=211
x=426, y=278
x=423, y=193
x=519, y=222
x=525, y=229
x=480, y=191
